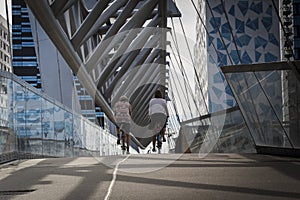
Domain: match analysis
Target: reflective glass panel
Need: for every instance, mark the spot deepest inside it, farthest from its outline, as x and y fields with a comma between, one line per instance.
x=258, y=104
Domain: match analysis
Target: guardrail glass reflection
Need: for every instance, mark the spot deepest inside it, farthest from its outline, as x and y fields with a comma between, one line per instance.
x=219, y=132
x=36, y=125
x=268, y=96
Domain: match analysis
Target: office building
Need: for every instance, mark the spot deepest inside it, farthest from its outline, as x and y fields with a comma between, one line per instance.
x=5, y=47
x=233, y=33
x=37, y=61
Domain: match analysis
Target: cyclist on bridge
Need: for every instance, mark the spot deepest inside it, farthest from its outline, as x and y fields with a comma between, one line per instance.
x=158, y=112
x=122, y=110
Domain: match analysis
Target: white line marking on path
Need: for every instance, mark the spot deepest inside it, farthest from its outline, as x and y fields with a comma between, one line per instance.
x=114, y=178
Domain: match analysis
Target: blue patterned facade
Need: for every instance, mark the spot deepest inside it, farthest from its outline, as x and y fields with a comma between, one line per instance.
x=256, y=39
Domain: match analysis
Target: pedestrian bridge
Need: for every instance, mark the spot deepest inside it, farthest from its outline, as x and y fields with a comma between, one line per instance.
x=164, y=176
x=126, y=47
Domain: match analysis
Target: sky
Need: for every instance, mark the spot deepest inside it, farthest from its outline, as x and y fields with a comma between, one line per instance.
x=188, y=16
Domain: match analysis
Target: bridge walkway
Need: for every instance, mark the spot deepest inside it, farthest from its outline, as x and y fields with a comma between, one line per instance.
x=153, y=176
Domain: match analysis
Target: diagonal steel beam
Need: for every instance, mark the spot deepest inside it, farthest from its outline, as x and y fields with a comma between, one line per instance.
x=142, y=104
x=147, y=91
x=137, y=20
x=124, y=52
x=88, y=23
x=119, y=58
x=136, y=76
x=135, y=79
x=137, y=62
x=90, y=26
x=128, y=63
x=122, y=18
x=60, y=6
x=44, y=15
x=83, y=9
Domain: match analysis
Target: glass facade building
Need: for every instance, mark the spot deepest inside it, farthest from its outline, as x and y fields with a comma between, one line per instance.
x=239, y=32
x=242, y=37
x=25, y=61
x=244, y=46
x=38, y=62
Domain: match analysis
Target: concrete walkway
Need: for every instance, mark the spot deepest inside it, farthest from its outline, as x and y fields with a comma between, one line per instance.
x=164, y=176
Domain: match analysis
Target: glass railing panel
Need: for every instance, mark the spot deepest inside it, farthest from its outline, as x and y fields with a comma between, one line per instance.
x=33, y=117
x=235, y=136
x=33, y=123
x=59, y=130
x=272, y=88
x=104, y=143
x=49, y=142
x=69, y=131
x=90, y=137
x=97, y=141
x=77, y=134
x=84, y=127
x=221, y=132
x=291, y=105
x=7, y=136
x=101, y=138
x=20, y=94
x=260, y=115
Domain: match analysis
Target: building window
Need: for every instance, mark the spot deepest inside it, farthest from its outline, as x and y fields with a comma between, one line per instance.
x=6, y=58
x=27, y=44
x=24, y=63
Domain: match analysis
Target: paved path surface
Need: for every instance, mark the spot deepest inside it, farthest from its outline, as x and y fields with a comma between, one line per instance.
x=216, y=176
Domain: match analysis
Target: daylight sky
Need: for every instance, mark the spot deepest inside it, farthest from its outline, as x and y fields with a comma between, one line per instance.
x=188, y=16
